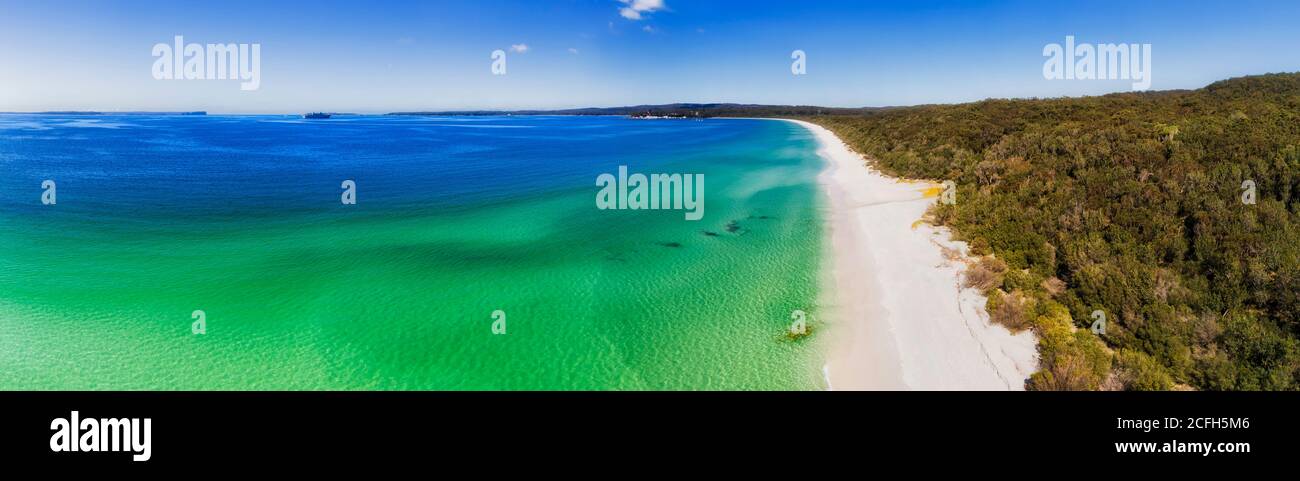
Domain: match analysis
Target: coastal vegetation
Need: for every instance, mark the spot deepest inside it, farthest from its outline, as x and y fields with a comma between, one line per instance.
x=1174, y=214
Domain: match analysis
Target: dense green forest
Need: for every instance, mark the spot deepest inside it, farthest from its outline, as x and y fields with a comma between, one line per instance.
x=1137, y=205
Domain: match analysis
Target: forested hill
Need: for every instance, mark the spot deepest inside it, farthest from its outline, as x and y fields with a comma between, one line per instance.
x=1137, y=205
x=684, y=110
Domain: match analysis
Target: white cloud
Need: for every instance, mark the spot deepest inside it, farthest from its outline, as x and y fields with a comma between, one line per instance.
x=648, y=29
x=573, y=50
x=519, y=48
x=635, y=8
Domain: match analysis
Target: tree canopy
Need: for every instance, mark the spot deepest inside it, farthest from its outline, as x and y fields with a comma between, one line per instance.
x=1176, y=214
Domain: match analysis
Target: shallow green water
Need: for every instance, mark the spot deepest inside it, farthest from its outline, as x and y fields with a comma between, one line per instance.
x=157, y=217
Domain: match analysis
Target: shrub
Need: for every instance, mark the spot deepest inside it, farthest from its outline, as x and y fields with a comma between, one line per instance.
x=1023, y=280
x=985, y=274
x=1078, y=363
x=1137, y=371
x=1070, y=359
x=1053, y=286
x=1008, y=310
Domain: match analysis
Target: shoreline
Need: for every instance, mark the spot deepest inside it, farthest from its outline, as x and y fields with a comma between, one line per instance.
x=898, y=316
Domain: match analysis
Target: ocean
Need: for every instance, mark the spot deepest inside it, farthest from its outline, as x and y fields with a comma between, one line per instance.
x=461, y=226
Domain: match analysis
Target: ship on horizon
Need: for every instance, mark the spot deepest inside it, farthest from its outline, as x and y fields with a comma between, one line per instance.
x=316, y=115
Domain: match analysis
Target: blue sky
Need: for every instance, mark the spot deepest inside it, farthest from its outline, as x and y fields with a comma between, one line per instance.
x=378, y=56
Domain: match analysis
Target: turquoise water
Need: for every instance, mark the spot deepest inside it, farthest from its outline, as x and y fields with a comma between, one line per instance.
x=456, y=217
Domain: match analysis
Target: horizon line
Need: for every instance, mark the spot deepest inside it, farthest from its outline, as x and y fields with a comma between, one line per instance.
x=542, y=111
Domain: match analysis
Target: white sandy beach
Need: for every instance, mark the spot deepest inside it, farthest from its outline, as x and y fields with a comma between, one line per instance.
x=899, y=318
